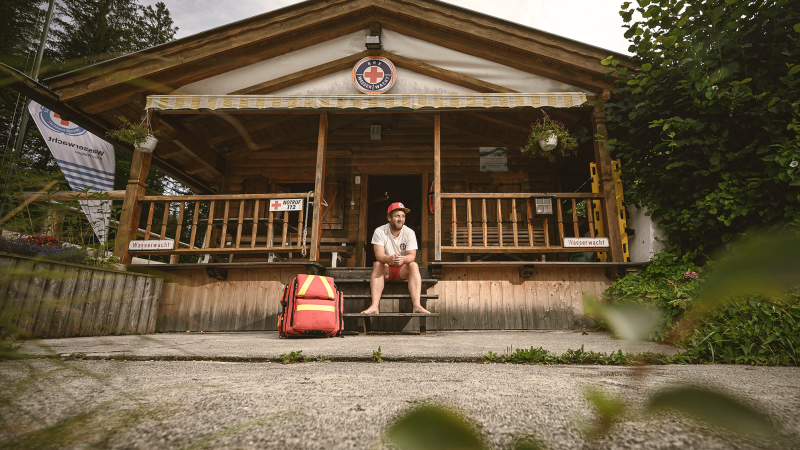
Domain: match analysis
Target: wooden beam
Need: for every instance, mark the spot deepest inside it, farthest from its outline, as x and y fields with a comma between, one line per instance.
x=241, y=153
x=437, y=186
x=549, y=69
x=603, y=161
x=260, y=125
x=444, y=74
x=197, y=147
x=131, y=206
x=220, y=51
x=195, y=168
x=361, y=241
x=488, y=118
x=302, y=76
x=483, y=137
x=319, y=187
x=425, y=219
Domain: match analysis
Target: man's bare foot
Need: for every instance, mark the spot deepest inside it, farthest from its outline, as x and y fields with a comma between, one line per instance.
x=371, y=310
x=420, y=310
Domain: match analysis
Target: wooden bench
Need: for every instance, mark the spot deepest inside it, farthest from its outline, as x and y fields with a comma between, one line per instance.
x=364, y=320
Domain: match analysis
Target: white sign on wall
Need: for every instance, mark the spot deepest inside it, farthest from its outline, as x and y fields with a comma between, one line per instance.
x=166, y=244
x=286, y=204
x=585, y=242
x=494, y=159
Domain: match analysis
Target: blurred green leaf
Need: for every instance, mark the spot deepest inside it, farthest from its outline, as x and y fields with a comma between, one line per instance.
x=434, y=428
x=712, y=407
x=527, y=443
x=608, y=409
x=629, y=321
x=767, y=266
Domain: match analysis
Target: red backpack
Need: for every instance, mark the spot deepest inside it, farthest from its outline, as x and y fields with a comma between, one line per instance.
x=312, y=307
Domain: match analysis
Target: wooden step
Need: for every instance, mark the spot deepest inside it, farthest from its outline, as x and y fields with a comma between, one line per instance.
x=366, y=280
x=391, y=314
x=387, y=296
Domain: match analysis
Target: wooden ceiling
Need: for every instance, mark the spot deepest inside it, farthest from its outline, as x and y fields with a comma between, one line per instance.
x=198, y=148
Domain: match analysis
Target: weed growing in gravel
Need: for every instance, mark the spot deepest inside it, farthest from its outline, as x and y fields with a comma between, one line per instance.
x=8, y=345
x=580, y=356
x=376, y=355
x=293, y=357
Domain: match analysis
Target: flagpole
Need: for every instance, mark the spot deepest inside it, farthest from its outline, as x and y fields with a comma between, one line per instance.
x=25, y=115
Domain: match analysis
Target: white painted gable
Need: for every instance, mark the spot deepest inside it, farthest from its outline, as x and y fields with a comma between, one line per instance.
x=408, y=82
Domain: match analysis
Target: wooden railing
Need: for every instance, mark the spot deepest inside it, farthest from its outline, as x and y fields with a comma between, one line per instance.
x=224, y=224
x=508, y=223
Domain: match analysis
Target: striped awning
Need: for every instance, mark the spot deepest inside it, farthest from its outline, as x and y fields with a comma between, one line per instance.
x=365, y=102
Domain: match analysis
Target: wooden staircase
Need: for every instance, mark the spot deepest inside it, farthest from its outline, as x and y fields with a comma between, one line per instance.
x=395, y=307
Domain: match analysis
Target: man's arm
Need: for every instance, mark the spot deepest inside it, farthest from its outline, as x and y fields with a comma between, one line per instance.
x=380, y=254
x=411, y=255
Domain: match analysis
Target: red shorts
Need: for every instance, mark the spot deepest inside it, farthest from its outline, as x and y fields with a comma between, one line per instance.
x=394, y=273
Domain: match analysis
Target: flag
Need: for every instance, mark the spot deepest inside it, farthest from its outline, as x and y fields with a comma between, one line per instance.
x=86, y=161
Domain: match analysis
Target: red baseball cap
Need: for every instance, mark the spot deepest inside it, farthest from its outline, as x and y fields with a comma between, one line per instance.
x=395, y=206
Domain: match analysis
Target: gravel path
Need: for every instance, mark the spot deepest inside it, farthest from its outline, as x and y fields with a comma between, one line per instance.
x=49, y=403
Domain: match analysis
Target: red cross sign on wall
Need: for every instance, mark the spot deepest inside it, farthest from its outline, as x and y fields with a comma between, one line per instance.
x=277, y=204
x=373, y=74
x=289, y=204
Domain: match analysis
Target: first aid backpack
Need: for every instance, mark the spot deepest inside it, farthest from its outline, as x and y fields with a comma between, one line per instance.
x=312, y=307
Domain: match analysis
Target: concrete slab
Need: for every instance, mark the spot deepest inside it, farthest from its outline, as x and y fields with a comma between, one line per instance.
x=265, y=346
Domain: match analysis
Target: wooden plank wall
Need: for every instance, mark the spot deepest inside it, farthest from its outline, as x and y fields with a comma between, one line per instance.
x=248, y=300
x=47, y=299
x=407, y=149
x=498, y=299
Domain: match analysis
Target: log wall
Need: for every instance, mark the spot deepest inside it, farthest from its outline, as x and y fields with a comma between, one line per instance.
x=498, y=299
x=248, y=300
x=469, y=299
x=48, y=299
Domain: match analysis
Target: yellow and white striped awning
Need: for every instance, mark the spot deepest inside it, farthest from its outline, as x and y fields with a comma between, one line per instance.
x=366, y=102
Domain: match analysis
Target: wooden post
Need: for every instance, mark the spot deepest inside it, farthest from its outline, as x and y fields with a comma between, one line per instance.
x=361, y=244
x=131, y=207
x=319, y=186
x=423, y=240
x=437, y=185
x=603, y=160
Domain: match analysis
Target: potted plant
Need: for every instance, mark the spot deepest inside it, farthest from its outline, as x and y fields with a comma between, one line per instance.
x=137, y=134
x=550, y=137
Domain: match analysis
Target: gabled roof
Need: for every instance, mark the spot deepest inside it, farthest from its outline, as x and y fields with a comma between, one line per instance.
x=161, y=69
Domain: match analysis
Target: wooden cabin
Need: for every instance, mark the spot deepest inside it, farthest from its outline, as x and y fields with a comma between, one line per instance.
x=266, y=109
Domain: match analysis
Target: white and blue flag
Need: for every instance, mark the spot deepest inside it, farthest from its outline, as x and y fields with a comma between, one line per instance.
x=86, y=161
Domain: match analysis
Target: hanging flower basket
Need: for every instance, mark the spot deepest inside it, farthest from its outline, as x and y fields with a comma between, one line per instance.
x=148, y=145
x=137, y=134
x=550, y=138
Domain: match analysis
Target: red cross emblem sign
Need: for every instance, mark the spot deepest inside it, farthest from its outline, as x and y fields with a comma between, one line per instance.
x=286, y=204
x=374, y=75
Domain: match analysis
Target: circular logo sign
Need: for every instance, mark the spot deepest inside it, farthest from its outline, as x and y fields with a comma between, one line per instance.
x=54, y=122
x=374, y=75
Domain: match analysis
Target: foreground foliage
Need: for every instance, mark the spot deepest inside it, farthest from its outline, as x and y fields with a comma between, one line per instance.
x=708, y=126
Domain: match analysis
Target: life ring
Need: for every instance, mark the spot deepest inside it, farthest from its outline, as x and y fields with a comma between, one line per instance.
x=432, y=200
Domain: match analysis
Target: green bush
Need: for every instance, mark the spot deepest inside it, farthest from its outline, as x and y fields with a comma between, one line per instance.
x=752, y=330
x=668, y=283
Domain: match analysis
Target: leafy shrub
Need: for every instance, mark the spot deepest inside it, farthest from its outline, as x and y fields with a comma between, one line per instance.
x=748, y=331
x=669, y=283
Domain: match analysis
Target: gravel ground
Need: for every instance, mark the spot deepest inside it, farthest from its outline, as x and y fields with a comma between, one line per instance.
x=49, y=403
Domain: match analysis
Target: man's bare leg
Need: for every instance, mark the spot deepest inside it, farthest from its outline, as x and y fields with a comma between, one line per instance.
x=379, y=272
x=414, y=285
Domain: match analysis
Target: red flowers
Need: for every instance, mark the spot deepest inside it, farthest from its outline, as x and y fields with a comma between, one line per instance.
x=43, y=240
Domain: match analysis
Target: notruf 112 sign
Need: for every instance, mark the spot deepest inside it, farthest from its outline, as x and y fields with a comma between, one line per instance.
x=286, y=204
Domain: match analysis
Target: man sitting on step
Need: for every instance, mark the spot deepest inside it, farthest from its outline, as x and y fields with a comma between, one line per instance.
x=395, y=250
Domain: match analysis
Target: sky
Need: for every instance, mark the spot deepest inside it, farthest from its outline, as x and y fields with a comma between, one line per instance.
x=595, y=22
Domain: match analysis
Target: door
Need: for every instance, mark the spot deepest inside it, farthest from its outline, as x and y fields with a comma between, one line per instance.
x=383, y=190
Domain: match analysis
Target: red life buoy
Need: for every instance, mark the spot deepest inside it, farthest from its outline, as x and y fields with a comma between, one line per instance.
x=432, y=200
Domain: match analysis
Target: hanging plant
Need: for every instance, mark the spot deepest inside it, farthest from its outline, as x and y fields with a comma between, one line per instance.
x=548, y=138
x=137, y=134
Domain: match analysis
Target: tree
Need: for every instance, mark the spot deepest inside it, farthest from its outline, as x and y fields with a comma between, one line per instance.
x=90, y=31
x=708, y=127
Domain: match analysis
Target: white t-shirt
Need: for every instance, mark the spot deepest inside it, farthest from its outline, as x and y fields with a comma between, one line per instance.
x=404, y=242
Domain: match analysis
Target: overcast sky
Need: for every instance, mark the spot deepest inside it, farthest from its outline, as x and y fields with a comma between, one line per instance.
x=595, y=22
